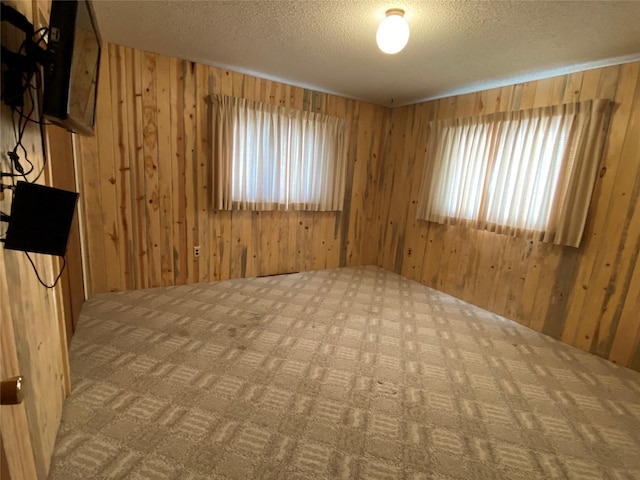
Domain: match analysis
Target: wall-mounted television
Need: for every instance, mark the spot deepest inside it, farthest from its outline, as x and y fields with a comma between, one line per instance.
x=71, y=74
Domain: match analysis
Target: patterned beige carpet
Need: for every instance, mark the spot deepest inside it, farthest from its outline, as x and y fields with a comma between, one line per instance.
x=350, y=373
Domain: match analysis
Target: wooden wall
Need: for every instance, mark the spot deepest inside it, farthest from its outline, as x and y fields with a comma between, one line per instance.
x=60, y=148
x=145, y=200
x=32, y=332
x=145, y=184
x=588, y=297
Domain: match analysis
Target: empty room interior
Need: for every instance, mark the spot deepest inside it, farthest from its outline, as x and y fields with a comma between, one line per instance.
x=294, y=255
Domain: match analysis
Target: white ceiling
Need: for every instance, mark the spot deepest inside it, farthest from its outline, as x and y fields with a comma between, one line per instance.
x=454, y=47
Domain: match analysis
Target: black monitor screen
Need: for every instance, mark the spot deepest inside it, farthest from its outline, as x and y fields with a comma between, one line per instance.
x=40, y=219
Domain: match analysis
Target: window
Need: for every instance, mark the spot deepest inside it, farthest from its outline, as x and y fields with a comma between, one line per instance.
x=527, y=173
x=269, y=157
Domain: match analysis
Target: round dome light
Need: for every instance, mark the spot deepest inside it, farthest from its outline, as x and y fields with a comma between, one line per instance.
x=393, y=32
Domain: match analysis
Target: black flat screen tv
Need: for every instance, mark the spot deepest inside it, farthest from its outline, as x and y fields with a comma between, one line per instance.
x=71, y=74
x=40, y=219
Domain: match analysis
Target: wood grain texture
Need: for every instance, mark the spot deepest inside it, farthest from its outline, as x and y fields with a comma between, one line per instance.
x=32, y=318
x=20, y=461
x=146, y=178
x=60, y=159
x=145, y=181
x=588, y=297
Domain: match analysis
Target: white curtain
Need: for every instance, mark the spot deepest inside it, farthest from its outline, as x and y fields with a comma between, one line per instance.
x=268, y=157
x=527, y=173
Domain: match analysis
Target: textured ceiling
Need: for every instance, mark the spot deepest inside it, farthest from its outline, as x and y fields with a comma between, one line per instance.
x=454, y=47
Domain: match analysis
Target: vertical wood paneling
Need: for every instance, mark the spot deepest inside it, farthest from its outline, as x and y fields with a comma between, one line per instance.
x=150, y=159
x=625, y=343
x=595, y=230
x=178, y=174
x=32, y=322
x=123, y=168
x=158, y=154
x=60, y=155
x=107, y=180
x=203, y=171
x=87, y=153
x=148, y=70
x=588, y=297
x=627, y=205
x=191, y=171
x=134, y=105
x=15, y=423
x=165, y=170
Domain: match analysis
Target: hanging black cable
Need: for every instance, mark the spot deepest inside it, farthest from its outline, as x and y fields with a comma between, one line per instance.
x=19, y=152
x=64, y=264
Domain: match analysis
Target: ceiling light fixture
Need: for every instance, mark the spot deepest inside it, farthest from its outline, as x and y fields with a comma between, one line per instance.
x=393, y=32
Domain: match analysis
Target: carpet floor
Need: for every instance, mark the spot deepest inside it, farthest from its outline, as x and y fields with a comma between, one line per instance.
x=355, y=373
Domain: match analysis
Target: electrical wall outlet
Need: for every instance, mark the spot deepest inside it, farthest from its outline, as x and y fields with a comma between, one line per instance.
x=196, y=251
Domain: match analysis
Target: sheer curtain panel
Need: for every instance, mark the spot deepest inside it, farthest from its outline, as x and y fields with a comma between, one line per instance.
x=527, y=173
x=268, y=157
